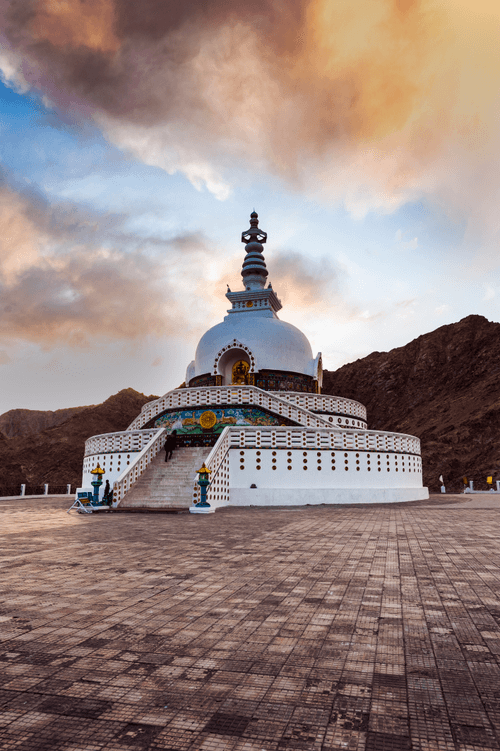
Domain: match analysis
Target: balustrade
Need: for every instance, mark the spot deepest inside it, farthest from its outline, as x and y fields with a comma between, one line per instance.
x=125, y=440
x=139, y=465
x=228, y=395
x=218, y=463
x=327, y=403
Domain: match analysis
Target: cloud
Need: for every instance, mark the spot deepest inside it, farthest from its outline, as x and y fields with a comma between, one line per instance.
x=303, y=281
x=372, y=103
x=71, y=276
x=489, y=292
x=81, y=296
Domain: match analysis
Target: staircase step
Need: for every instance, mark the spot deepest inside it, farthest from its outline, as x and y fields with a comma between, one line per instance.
x=166, y=485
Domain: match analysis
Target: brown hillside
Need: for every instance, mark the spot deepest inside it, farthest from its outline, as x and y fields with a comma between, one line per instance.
x=443, y=387
x=55, y=455
x=23, y=422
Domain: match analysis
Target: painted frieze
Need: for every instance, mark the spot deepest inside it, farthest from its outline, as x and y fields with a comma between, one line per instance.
x=199, y=421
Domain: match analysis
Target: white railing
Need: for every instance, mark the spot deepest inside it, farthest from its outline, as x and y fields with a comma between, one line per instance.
x=125, y=440
x=131, y=474
x=148, y=404
x=231, y=395
x=326, y=403
x=295, y=437
x=218, y=462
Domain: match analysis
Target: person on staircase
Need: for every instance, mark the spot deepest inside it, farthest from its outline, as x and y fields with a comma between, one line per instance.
x=170, y=445
x=108, y=494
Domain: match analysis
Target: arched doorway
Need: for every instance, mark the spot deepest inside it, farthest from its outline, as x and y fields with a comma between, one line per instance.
x=234, y=366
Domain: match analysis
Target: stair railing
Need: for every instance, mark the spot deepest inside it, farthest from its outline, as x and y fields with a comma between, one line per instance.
x=218, y=462
x=120, y=442
x=138, y=466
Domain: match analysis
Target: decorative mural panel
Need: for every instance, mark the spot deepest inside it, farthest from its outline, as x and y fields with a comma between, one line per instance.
x=214, y=420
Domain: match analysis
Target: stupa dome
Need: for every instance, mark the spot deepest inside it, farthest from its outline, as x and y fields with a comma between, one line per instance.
x=273, y=344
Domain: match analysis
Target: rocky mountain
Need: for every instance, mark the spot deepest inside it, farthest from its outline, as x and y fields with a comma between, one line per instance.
x=443, y=387
x=23, y=422
x=55, y=454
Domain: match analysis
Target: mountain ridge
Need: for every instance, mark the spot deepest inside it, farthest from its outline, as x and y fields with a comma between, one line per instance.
x=24, y=422
x=55, y=454
x=443, y=387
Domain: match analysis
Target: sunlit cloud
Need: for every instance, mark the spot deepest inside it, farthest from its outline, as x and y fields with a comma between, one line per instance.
x=70, y=276
x=372, y=104
x=304, y=281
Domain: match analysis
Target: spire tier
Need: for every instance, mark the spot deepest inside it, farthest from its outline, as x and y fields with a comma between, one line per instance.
x=254, y=271
x=255, y=297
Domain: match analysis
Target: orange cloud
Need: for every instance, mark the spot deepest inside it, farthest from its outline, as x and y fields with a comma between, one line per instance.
x=75, y=23
x=374, y=102
x=20, y=239
x=305, y=281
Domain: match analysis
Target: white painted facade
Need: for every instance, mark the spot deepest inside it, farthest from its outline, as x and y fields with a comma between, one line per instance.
x=316, y=448
x=318, y=477
x=319, y=469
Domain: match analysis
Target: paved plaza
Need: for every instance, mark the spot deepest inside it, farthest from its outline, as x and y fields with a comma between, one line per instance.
x=344, y=627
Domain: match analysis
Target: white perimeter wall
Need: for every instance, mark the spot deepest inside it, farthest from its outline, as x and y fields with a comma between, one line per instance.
x=310, y=476
x=323, y=469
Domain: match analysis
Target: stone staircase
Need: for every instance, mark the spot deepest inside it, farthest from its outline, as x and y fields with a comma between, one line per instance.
x=166, y=485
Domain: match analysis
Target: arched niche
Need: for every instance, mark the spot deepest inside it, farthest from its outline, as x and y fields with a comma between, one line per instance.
x=227, y=359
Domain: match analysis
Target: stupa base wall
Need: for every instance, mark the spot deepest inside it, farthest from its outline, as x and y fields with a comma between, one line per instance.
x=318, y=496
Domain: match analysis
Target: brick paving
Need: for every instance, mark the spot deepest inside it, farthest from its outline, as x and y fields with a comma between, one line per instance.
x=373, y=628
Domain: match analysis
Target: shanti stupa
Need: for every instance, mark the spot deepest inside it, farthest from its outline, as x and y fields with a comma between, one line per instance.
x=253, y=411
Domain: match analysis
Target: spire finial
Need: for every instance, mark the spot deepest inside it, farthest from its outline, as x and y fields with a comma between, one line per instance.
x=254, y=271
x=254, y=234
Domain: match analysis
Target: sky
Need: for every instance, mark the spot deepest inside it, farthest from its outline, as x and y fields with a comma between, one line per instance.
x=136, y=138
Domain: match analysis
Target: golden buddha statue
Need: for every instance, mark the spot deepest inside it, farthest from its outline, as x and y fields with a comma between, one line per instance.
x=240, y=372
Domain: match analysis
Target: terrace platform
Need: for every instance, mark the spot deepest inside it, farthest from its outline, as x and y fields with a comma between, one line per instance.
x=322, y=628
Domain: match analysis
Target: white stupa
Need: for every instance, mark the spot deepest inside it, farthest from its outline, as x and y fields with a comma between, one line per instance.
x=253, y=412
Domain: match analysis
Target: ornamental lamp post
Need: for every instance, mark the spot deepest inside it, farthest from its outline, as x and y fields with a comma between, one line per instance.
x=203, y=482
x=96, y=483
x=203, y=507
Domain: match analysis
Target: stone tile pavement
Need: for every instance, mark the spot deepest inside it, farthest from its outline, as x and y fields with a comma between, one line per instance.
x=370, y=628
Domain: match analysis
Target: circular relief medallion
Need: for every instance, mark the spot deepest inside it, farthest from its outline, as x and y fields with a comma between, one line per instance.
x=208, y=420
x=249, y=304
